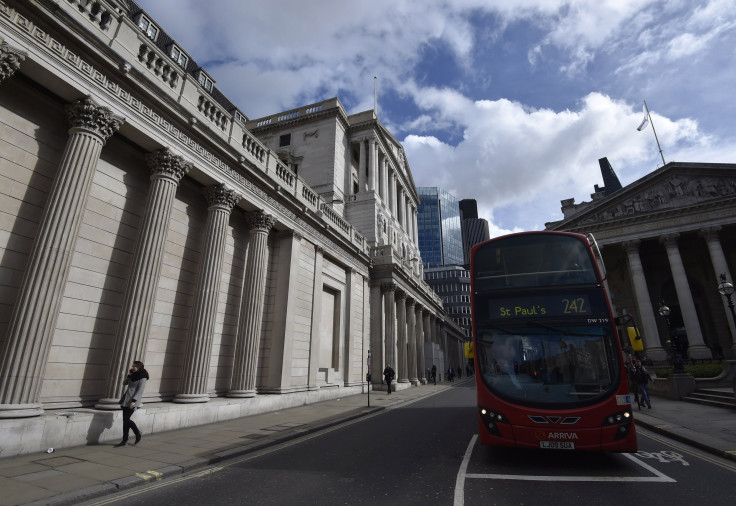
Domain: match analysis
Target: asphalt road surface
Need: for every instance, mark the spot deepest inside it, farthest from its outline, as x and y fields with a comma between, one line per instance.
x=426, y=453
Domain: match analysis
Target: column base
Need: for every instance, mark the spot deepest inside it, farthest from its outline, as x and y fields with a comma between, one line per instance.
x=656, y=354
x=191, y=398
x=699, y=352
x=108, y=404
x=241, y=394
x=20, y=410
x=414, y=382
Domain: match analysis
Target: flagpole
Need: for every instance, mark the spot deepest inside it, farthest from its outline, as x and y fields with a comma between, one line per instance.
x=655, y=132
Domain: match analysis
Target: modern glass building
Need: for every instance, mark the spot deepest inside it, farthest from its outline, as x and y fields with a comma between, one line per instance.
x=438, y=223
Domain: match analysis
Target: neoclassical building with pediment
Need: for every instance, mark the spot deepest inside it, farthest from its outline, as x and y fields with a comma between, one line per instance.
x=666, y=239
x=252, y=265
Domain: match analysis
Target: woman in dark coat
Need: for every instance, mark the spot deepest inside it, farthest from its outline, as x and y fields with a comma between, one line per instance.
x=132, y=399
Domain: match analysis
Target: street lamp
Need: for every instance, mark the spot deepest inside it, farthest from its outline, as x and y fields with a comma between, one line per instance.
x=726, y=289
x=677, y=365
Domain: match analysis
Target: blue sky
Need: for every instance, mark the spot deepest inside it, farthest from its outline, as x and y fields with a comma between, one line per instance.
x=511, y=103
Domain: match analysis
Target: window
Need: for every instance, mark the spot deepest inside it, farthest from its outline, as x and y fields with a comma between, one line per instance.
x=239, y=117
x=148, y=27
x=285, y=140
x=179, y=57
x=205, y=81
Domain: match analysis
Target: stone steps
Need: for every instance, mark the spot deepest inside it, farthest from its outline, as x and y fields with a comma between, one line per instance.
x=710, y=397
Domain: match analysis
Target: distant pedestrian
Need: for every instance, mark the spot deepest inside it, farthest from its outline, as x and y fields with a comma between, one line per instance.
x=132, y=399
x=642, y=379
x=450, y=375
x=630, y=377
x=434, y=374
x=388, y=375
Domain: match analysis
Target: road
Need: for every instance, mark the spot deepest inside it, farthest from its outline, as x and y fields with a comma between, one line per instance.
x=426, y=453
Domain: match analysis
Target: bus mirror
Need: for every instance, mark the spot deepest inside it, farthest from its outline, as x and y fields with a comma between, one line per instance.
x=623, y=319
x=597, y=255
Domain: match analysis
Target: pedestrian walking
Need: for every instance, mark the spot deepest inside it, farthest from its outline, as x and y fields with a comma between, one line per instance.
x=132, y=399
x=642, y=379
x=388, y=375
x=633, y=388
x=434, y=374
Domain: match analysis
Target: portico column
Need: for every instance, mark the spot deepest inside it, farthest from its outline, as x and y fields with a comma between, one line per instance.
x=134, y=325
x=221, y=201
x=392, y=194
x=372, y=164
x=402, y=362
x=420, y=343
x=377, y=329
x=384, y=181
x=389, y=290
x=251, y=311
x=31, y=326
x=10, y=61
x=652, y=343
x=361, y=167
x=411, y=338
x=697, y=348
x=720, y=266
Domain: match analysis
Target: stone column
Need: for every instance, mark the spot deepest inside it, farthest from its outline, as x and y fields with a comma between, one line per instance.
x=421, y=325
x=372, y=164
x=221, y=201
x=361, y=167
x=411, y=337
x=392, y=194
x=384, y=181
x=314, y=336
x=402, y=372
x=10, y=61
x=378, y=326
x=389, y=290
x=697, y=348
x=134, y=324
x=720, y=266
x=31, y=327
x=647, y=323
x=251, y=310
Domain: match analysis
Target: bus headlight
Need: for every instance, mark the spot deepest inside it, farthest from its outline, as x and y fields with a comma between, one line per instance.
x=491, y=419
x=623, y=419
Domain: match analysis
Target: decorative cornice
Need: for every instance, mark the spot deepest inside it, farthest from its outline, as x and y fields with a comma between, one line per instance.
x=165, y=164
x=10, y=60
x=87, y=115
x=221, y=197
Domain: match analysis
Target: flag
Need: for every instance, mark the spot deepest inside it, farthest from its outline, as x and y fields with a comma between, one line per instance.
x=645, y=121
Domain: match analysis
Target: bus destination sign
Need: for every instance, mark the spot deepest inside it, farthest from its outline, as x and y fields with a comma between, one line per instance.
x=540, y=306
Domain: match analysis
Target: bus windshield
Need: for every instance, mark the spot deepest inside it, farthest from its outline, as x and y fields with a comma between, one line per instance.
x=533, y=260
x=548, y=366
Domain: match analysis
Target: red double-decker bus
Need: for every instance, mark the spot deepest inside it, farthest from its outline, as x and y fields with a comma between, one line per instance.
x=548, y=362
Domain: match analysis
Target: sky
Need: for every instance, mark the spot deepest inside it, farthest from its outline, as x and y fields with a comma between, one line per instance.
x=509, y=102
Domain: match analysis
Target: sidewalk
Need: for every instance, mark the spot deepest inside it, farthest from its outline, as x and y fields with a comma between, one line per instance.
x=73, y=475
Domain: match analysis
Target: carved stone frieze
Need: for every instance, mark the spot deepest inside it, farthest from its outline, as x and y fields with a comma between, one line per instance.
x=88, y=115
x=672, y=193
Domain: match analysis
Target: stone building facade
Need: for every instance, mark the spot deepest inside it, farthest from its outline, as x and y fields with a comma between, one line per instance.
x=143, y=220
x=666, y=239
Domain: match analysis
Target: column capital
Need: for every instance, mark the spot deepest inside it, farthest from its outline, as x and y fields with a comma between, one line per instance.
x=669, y=239
x=631, y=246
x=10, y=60
x=220, y=196
x=261, y=221
x=710, y=233
x=86, y=114
x=164, y=163
x=388, y=287
x=400, y=295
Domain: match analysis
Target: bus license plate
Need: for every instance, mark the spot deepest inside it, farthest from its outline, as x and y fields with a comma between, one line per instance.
x=557, y=445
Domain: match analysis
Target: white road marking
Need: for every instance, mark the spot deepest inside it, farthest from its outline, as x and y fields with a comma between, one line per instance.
x=462, y=475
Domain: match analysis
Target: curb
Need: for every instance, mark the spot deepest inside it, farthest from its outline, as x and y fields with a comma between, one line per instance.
x=695, y=441
x=143, y=478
